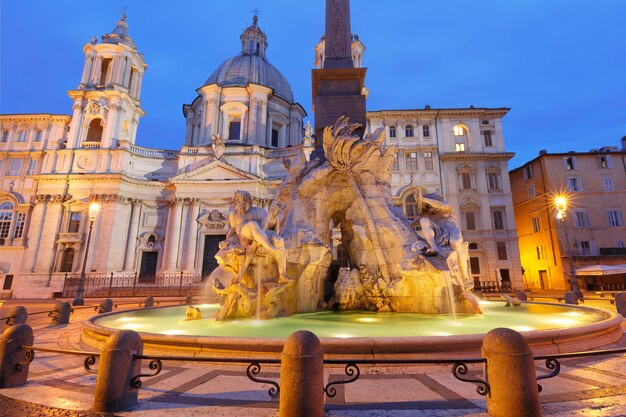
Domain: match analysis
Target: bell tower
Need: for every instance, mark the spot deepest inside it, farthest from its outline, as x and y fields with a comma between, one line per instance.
x=107, y=105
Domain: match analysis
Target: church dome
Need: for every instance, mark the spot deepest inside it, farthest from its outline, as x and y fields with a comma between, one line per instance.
x=251, y=66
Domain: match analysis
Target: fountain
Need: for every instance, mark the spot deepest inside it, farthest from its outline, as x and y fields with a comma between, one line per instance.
x=407, y=293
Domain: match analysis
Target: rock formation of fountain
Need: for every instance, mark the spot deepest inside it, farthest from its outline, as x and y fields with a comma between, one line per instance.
x=277, y=263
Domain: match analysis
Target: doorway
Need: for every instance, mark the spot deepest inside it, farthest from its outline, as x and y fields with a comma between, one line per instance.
x=543, y=278
x=211, y=247
x=147, y=270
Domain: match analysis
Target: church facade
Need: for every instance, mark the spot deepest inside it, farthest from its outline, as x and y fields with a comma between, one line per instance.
x=164, y=211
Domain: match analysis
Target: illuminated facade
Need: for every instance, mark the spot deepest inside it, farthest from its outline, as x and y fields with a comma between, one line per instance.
x=593, y=230
x=164, y=211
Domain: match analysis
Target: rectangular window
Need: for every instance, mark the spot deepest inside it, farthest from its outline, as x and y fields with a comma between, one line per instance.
x=528, y=172
x=470, y=220
x=614, y=218
x=466, y=180
x=606, y=162
x=493, y=180
x=607, y=183
x=475, y=265
x=531, y=191
x=14, y=167
x=569, y=162
x=5, y=224
x=74, y=223
x=32, y=167
x=411, y=161
x=487, y=136
x=392, y=131
x=5, y=136
x=426, y=131
x=460, y=147
x=428, y=161
x=408, y=131
x=536, y=224
x=540, y=252
x=19, y=225
x=275, y=138
x=584, y=247
x=104, y=71
x=234, y=128
x=501, y=247
x=498, y=220
x=8, y=282
x=574, y=184
x=581, y=218
x=395, y=166
x=38, y=134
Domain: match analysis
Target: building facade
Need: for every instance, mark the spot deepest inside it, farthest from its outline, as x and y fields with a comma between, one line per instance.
x=591, y=230
x=165, y=211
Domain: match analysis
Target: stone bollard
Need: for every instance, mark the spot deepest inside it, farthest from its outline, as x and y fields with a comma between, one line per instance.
x=106, y=306
x=302, y=376
x=521, y=295
x=149, y=302
x=620, y=303
x=61, y=313
x=17, y=315
x=116, y=371
x=12, y=372
x=511, y=375
x=570, y=298
x=189, y=300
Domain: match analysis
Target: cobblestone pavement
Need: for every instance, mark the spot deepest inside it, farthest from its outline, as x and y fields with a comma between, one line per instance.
x=59, y=386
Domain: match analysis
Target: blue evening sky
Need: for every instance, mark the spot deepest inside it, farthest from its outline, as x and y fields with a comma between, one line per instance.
x=559, y=64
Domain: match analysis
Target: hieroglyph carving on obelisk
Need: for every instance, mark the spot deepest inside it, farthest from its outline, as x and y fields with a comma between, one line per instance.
x=338, y=35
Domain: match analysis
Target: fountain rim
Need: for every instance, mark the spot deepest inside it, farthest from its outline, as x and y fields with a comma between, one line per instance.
x=577, y=338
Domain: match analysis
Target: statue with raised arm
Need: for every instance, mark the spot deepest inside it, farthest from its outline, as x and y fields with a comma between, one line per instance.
x=250, y=225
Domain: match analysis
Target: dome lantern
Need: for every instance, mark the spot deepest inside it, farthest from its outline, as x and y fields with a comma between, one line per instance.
x=253, y=40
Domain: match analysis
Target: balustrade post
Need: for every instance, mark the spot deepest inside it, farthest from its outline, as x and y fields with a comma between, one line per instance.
x=570, y=298
x=13, y=360
x=17, y=315
x=116, y=370
x=302, y=376
x=620, y=303
x=61, y=313
x=511, y=375
x=106, y=306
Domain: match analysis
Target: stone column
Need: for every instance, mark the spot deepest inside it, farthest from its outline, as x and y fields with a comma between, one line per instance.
x=87, y=69
x=131, y=241
x=302, y=376
x=511, y=375
x=192, y=235
x=37, y=221
x=139, y=83
x=46, y=255
x=173, y=235
x=115, y=372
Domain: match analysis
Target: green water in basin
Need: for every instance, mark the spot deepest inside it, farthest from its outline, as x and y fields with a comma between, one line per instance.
x=528, y=317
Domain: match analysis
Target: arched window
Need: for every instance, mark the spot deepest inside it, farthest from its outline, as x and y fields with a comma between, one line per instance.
x=67, y=261
x=410, y=207
x=6, y=217
x=94, y=132
x=408, y=131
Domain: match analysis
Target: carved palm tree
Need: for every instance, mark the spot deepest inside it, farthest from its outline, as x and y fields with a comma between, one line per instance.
x=351, y=156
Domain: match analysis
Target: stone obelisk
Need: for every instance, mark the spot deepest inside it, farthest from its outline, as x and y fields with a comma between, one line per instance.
x=338, y=86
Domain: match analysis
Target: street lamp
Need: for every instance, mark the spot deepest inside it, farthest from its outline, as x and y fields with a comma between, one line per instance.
x=94, y=208
x=560, y=203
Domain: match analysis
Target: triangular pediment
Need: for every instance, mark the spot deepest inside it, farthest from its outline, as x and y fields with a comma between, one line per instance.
x=216, y=170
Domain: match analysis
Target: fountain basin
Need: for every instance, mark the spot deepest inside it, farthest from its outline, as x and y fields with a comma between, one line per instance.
x=549, y=328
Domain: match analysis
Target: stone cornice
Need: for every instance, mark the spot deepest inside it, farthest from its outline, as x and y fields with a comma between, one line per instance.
x=432, y=113
x=35, y=118
x=476, y=156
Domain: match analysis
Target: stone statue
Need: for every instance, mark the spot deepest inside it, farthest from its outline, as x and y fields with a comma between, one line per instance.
x=252, y=227
x=309, y=142
x=439, y=228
